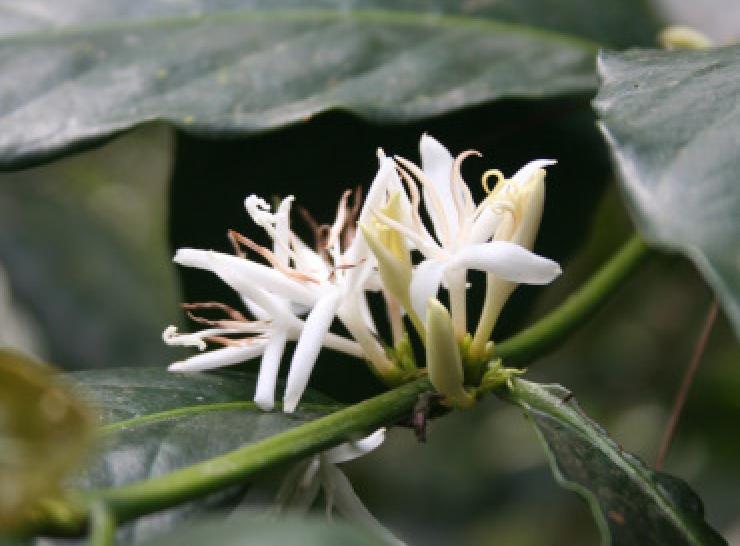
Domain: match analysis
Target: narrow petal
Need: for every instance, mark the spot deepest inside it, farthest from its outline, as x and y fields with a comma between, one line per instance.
x=352, y=450
x=507, y=261
x=219, y=358
x=425, y=282
x=437, y=162
x=244, y=275
x=308, y=347
x=171, y=337
x=385, y=179
x=264, y=395
x=485, y=225
x=281, y=244
x=525, y=173
x=340, y=492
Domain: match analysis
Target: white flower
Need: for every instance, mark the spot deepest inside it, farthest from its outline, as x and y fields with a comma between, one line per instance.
x=301, y=488
x=463, y=231
x=326, y=282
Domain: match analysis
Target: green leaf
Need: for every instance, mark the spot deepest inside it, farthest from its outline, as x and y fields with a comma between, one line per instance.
x=631, y=503
x=251, y=531
x=155, y=422
x=39, y=415
x=83, y=242
x=673, y=122
x=236, y=67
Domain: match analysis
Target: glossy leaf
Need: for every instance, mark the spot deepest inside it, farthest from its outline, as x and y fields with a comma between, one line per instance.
x=39, y=415
x=673, y=122
x=631, y=503
x=240, y=66
x=156, y=422
x=250, y=531
x=83, y=243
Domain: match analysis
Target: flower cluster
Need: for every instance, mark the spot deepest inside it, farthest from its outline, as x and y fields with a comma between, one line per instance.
x=295, y=292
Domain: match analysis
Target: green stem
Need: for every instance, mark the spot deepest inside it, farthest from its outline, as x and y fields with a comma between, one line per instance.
x=102, y=525
x=144, y=497
x=553, y=329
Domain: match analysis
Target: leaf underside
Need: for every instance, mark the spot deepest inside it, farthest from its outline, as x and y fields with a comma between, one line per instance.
x=236, y=67
x=673, y=122
x=631, y=503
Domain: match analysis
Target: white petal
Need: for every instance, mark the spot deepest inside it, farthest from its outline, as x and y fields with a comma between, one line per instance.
x=339, y=491
x=281, y=244
x=436, y=162
x=385, y=179
x=485, y=225
x=308, y=347
x=425, y=281
x=264, y=395
x=219, y=358
x=352, y=450
x=245, y=275
x=523, y=175
x=507, y=261
x=171, y=337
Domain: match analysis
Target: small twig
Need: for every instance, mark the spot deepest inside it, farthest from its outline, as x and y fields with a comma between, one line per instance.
x=688, y=379
x=102, y=525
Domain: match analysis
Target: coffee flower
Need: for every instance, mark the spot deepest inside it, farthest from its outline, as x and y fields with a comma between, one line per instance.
x=295, y=292
x=466, y=235
x=324, y=282
x=494, y=236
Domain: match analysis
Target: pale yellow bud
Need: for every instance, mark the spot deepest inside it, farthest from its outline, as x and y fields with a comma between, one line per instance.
x=679, y=37
x=444, y=363
x=529, y=206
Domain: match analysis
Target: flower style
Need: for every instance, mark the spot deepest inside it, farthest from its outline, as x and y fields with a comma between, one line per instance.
x=326, y=282
x=302, y=486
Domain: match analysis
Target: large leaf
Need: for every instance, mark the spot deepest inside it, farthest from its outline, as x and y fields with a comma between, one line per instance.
x=631, y=503
x=673, y=121
x=250, y=531
x=156, y=422
x=74, y=73
x=39, y=414
x=83, y=243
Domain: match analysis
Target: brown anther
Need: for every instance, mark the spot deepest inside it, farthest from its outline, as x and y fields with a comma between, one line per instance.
x=232, y=313
x=232, y=236
x=228, y=342
x=340, y=220
x=320, y=232
x=269, y=255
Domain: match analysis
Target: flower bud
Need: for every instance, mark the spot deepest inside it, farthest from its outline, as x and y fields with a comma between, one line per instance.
x=444, y=363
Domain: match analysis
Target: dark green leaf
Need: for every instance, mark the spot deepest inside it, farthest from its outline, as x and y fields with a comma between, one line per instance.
x=631, y=503
x=84, y=245
x=234, y=66
x=156, y=422
x=673, y=121
x=250, y=531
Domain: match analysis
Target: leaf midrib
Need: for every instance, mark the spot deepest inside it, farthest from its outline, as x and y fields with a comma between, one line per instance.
x=376, y=16
x=159, y=416
x=555, y=406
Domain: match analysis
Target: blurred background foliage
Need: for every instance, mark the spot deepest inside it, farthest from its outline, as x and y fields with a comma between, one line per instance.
x=86, y=280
